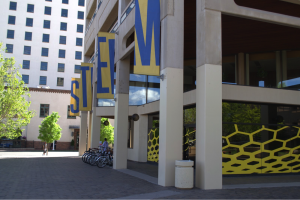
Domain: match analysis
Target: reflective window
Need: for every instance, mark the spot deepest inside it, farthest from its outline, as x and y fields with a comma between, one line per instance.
x=137, y=89
x=44, y=110
x=45, y=52
x=79, y=42
x=61, y=53
x=65, y=1
x=29, y=22
x=46, y=23
x=47, y=10
x=77, y=69
x=153, y=90
x=27, y=50
x=229, y=70
x=79, y=28
x=60, y=81
x=26, y=64
x=291, y=71
x=30, y=8
x=28, y=36
x=12, y=5
x=62, y=39
x=25, y=78
x=63, y=26
x=10, y=34
x=44, y=66
x=80, y=2
x=9, y=48
x=78, y=55
x=64, y=12
x=61, y=67
x=46, y=37
x=80, y=15
x=12, y=20
x=262, y=70
x=43, y=80
x=69, y=116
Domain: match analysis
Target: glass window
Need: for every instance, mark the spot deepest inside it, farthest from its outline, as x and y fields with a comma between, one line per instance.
x=10, y=34
x=12, y=20
x=137, y=89
x=153, y=90
x=29, y=22
x=49, y=0
x=65, y=1
x=80, y=15
x=27, y=50
x=291, y=70
x=46, y=37
x=9, y=48
x=44, y=110
x=77, y=69
x=47, y=10
x=262, y=70
x=62, y=39
x=44, y=66
x=28, y=36
x=79, y=42
x=26, y=64
x=64, y=12
x=60, y=81
x=46, y=23
x=12, y=5
x=43, y=80
x=61, y=53
x=30, y=8
x=61, y=67
x=80, y=2
x=45, y=52
x=63, y=26
x=229, y=70
x=69, y=116
x=25, y=78
x=78, y=55
x=79, y=28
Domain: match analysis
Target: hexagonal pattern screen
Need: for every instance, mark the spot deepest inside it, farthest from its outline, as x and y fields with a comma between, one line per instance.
x=262, y=151
x=153, y=145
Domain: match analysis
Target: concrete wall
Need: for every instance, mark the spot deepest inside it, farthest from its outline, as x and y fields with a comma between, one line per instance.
x=58, y=103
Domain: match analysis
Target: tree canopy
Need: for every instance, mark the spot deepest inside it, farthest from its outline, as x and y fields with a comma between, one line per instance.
x=49, y=129
x=106, y=132
x=14, y=113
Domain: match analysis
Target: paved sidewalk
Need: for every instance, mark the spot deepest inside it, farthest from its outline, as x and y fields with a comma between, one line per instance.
x=37, y=154
x=70, y=178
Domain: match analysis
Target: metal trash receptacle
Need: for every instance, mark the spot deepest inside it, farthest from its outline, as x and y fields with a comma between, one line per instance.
x=184, y=174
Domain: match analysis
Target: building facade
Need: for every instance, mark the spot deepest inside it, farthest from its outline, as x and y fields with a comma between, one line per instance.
x=46, y=38
x=228, y=92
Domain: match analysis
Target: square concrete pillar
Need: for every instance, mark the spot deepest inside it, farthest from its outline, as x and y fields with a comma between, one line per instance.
x=96, y=125
x=121, y=114
x=171, y=90
x=83, y=133
x=209, y=99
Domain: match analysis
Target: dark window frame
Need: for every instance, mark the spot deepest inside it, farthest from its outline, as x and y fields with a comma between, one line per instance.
x=79, y=28
x=69, y=116
x=63, y=81
x=79, y=43
x=81, y=14
x=45, y=107
x=12, y=18
x=43, y=80
x=65, y=25
x=27, y=64
x=47, y=24
x=30, y=7
x=44, y=66
x=10, y=34
x=64, y=12
x=25, y=50
x=28, y=23
x=45, y=39
x=77, y=54
x=26, y=36
x=23, y=75
x=64, y=40
x=76, y=68
x=11, y=48
x=58, y=67
x=44, y=51
x=47, y=10
x=13, y=7
x=81, y=2
x=60, y=53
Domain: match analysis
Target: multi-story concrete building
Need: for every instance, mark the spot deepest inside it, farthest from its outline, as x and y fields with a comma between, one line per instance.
x=46, y=38
x=228, y=95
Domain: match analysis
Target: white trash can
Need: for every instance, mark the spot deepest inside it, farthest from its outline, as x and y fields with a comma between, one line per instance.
x=184, y=174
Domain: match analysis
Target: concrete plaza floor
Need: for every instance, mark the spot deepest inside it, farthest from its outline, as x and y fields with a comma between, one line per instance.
x=30, y=176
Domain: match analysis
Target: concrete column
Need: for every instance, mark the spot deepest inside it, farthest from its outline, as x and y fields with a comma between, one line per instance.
x=241, y=69
x=89, y=130
x=96, y=125
x=121, y=114
x=171, y=91
x=209, y=99
x=82, y=134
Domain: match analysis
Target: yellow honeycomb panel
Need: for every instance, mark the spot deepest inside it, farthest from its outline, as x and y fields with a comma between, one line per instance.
x=153, y=148
x=253, y=157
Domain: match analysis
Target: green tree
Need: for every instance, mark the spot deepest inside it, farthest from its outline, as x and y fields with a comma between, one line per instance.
x=14, y=113
x=49, y=129
x=106, y=132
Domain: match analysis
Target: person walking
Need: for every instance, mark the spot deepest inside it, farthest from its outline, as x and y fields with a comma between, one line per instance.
x=44, y=149
x=105, y=144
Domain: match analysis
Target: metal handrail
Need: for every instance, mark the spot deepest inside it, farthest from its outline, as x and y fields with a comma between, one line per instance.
x=94, y=15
